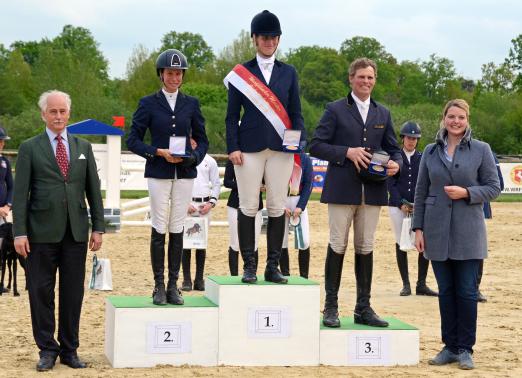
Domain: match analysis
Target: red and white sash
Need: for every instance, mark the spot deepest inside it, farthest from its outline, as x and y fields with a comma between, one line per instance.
x=269, y=105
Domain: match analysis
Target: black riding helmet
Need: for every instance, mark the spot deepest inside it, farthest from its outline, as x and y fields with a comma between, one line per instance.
x=265, y=23
x=171, y=58
x=3, y=134
x=411, y=129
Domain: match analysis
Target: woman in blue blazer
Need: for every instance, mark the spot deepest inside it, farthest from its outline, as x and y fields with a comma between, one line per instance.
x=167, y=114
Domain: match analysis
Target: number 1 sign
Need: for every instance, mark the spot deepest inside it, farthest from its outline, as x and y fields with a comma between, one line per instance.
x=269, y=322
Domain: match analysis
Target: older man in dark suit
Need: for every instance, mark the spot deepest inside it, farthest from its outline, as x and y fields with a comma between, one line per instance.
x=348, y=130
x=55, y=172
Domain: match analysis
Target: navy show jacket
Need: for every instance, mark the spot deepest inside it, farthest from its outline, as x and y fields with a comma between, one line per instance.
x=305, y=187
x=154, y=114
x=6, y=182
x=403, y=186
x=341, y=127
x=252, y=132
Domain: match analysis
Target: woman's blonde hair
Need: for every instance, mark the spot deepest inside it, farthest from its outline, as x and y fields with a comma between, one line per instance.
x=458, y=103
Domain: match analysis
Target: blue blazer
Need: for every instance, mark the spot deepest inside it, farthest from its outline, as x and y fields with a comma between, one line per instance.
x=6, y=182
x=154, y=114
x=255, y=132
x=340, y=127
x=305, y=187
x=403, y=186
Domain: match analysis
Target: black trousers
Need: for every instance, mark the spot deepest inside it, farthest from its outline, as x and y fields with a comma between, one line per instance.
x=68, y=258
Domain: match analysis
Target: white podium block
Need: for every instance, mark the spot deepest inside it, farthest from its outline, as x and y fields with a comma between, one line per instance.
x=359, y=345
x=266, y=324
x=140, y=334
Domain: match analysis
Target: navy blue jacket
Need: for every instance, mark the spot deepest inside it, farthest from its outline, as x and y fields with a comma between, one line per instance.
x=341, y=127
x=230, y=182
x=154, y=114
x=305, y=187
x=403, y=186
x=255, y=132
x=6, y=182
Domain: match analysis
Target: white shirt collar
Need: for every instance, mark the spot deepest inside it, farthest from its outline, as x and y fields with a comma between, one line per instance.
x=168, y=95
x=358, y=101
x=408, y=154
x=52, y=135
x=262, y=60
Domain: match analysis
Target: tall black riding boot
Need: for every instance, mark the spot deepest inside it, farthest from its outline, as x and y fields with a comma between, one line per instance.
x=363, y=313
x=157, y=258
x=422, y=289
x=256, y=258
x=185, y=264
x=246, y=230
x=275, y=231
x=304, y=262
x=175, y=251
x=233, y=258
x=480, y=297
x=333, y=269
x=284, y=262
x=199, y=282
x=402, y=263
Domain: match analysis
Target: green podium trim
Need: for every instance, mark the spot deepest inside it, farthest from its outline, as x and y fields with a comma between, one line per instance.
x=146, y=302
x=236, y=280
x=348, y=324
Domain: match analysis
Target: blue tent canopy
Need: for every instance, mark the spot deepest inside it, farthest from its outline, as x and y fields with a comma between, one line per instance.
x=93, y=127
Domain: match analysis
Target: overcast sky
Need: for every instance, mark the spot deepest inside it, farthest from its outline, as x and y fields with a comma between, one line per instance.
x=469, y=32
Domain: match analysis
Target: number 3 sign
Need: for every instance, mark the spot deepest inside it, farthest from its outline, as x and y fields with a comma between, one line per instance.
x=369, y=349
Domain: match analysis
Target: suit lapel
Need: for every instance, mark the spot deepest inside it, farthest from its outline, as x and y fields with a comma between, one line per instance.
x=354, y=111
x=442, y=157
x=47, y=150
x=276, y=70
x=73, y=151
x=372, y=113
x=253, y=67
x=181, y=101
x=162, y=101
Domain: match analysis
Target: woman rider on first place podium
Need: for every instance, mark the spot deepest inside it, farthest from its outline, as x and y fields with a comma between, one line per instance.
x=254, y=142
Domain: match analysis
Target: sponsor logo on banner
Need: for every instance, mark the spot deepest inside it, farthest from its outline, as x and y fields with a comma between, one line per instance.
x=319, y=168
x=516, y=174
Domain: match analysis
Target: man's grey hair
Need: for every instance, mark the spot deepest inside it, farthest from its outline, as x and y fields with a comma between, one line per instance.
x=42, y=102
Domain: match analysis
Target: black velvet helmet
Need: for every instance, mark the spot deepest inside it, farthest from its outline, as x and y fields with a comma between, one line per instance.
x=265, y=23
x=411, y=129
x=171, y=58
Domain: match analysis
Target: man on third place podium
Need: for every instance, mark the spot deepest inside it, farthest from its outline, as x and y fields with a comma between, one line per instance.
x=349, y=128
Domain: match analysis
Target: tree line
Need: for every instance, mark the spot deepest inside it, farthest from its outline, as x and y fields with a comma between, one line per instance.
x=413, y=90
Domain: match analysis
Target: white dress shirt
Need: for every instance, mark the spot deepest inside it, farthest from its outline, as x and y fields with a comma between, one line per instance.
x=171, y=98
x=207, y=182
x=266, y=65
x=363, y=106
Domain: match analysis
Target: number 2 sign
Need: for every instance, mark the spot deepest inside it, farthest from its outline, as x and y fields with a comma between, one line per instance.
x=169, y=337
